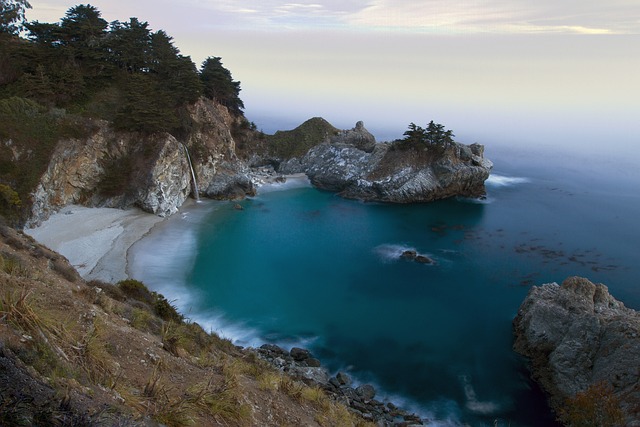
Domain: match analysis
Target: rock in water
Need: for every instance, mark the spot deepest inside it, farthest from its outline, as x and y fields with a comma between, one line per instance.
x=409, y=254
x=352, y=164
x=577, y=335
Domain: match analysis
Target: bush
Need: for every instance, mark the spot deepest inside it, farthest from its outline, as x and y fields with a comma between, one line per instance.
x=165, y=310
x=137, y=290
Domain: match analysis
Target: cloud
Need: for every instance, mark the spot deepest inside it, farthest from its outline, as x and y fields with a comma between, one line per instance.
x=269, y=13
x=437, y=16
x=499, y=16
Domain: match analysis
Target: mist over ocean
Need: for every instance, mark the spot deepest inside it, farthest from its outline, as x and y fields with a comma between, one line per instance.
x=302, y=267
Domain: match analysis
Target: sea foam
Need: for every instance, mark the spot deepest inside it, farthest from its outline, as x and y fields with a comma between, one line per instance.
x=390, y=252
x=497, y=180
x=291, y=182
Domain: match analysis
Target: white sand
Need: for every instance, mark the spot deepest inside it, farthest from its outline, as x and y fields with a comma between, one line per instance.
x=95, y=240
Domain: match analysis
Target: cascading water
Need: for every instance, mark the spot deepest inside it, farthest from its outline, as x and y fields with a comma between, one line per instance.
x=196, y=193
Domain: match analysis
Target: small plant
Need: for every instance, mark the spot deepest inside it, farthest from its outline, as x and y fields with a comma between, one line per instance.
x=16, y=309
x=65, y=270
x=291, y=388
x=144, y=321
x=12, y=266
x=94, y=358
x=165, y=310
x=221, y=400
x=269, y=380
x=136, y=290
x=316, y=397
x=596, y=406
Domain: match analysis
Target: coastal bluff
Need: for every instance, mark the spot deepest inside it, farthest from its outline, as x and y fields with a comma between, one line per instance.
x=352, y=164
x=584, y=348
x=118, y=169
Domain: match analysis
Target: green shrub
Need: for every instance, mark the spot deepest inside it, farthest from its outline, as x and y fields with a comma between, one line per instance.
x=137, y=290
x=165, y=310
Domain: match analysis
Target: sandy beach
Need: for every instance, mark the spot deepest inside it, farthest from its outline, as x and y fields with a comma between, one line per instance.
x=95, y=240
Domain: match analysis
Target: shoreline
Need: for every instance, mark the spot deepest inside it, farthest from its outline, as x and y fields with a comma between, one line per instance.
x=100, y=244
x=95, y=240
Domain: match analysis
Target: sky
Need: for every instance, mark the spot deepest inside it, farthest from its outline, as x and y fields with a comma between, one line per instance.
x=512, y=72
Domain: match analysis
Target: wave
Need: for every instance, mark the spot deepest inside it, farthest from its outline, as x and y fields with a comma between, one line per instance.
x=497, y=180
x=473, y=404
x=291, y=182
x=476, y=200
x=391, y=252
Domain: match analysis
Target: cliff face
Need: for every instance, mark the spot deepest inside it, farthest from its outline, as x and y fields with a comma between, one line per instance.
x=352, y=164
x=577, y=335
x=119, y=169
x=221, y=175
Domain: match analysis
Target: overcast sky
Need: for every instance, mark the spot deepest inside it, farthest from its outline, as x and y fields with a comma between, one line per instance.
x=508, y=71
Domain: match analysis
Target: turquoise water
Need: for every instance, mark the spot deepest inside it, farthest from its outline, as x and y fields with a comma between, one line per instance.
x=303, y=267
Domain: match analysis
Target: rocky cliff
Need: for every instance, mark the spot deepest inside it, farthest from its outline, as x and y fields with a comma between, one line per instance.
x=579, y=336
x=354, y=165
x=120, y=169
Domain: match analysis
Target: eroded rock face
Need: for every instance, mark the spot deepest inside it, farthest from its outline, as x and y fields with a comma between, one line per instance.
x=353, y=165
x=220, y=174
x=158, y=173
x=577, y=335
x=157, y=176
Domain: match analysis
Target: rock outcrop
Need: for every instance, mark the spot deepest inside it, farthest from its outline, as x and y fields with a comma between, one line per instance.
x=300, y=364
x=221, y=175
x=577, y=335
x=121, y=169
x=352, y=164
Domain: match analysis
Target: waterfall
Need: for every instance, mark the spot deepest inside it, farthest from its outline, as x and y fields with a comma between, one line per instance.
x=196, y=194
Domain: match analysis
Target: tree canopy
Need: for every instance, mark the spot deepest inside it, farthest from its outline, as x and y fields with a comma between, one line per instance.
x=219, y=85
x=120, y=71
x=434, y=134
x=12, y=15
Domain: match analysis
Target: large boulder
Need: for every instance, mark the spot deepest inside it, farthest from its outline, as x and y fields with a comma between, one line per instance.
x=114, y=169
x=358, y=137
x=578, y=336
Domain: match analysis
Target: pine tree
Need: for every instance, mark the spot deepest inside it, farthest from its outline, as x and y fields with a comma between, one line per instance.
x=219, y=85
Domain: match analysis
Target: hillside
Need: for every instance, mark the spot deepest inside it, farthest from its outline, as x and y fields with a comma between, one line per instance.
x=79, y=77
x=77, y=353
x=296, y=142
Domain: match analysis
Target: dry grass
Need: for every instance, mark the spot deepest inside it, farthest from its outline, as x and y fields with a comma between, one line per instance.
x=94, y=359
x=13, y=266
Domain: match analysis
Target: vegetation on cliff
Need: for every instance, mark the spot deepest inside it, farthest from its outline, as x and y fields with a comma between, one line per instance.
x=296, y=142
x=417, y=137
x=63, y=76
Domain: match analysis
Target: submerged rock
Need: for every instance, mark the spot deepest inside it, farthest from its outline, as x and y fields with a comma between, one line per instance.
x=422, y=259
x=578, y=336
x=410, y=254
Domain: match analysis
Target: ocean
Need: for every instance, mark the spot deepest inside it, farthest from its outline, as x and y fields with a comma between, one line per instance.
x=302, y=267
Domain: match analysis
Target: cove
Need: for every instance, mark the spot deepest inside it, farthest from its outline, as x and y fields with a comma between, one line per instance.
x=302, y=267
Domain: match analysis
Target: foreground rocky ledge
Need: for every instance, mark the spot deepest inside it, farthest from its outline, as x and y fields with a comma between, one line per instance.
x=582, y=341
x=301, y=365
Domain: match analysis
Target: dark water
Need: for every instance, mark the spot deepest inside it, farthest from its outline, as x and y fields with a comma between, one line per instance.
x=304, y=267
